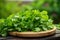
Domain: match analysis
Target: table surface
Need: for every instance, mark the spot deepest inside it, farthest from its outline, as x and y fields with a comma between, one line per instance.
x=56, y=35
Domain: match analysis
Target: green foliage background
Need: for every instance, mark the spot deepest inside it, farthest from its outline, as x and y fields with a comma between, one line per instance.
x=52, y=6
x=7, y=8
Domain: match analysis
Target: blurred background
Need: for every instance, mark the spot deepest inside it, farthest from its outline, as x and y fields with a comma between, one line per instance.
x=8, y=7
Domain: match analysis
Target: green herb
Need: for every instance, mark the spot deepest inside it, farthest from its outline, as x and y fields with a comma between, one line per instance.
x=30, y=20
x=57, y=26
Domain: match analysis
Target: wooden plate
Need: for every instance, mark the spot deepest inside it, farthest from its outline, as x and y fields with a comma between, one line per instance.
x=34, y=34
